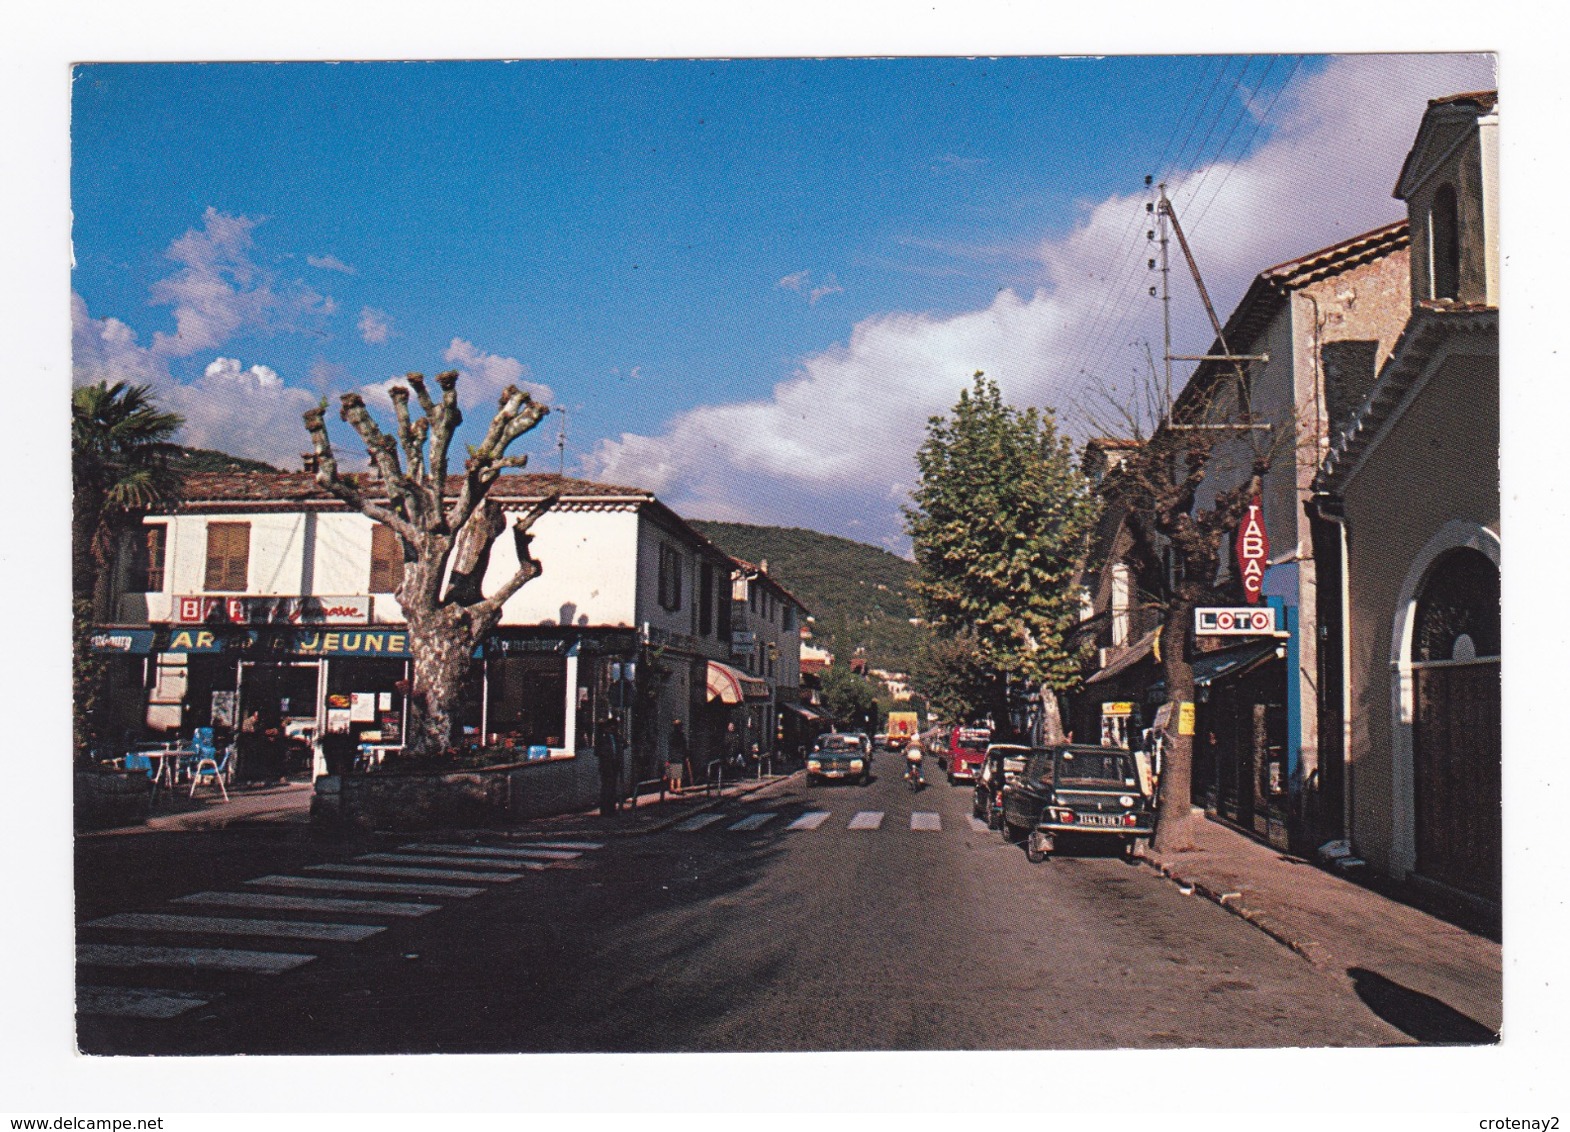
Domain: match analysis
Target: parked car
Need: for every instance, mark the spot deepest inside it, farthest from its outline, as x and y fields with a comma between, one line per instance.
x=1076, y=790
x=967, y=749
x=1004, y=762
x=838, y=755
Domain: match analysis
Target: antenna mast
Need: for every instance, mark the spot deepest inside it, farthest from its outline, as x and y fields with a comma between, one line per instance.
x=561, y=443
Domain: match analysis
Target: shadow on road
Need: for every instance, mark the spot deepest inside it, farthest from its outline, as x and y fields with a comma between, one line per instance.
x=1421, y=1017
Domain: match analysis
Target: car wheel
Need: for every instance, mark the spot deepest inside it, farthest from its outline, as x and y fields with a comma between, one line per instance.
x=995, y=820
x=1035, y=848
x=1011, y=832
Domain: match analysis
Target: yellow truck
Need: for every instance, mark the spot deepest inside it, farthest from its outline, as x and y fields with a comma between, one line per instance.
x=902, y=727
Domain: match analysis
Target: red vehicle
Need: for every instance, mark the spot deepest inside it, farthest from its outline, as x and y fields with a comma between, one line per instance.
x=967, y=751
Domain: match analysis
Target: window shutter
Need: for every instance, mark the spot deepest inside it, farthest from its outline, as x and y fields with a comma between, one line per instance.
x=228, y=557
x=386, y=560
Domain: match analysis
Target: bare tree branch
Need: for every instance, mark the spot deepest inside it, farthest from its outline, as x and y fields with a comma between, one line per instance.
x=327, y=477
x=529, y=567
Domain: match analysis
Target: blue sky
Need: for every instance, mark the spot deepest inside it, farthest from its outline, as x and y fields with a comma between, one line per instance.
x=748, y=282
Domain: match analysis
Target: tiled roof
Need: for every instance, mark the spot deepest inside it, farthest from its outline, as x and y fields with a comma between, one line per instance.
x=1485, y=99
x=1340, y=256
x=1430, y=325
x=754, y=568
x=272, y=489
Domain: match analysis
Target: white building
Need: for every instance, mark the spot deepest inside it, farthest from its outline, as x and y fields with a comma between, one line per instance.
x=261, y=592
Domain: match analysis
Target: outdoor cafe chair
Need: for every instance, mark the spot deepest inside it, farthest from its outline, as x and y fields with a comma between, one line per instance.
x=211, y=766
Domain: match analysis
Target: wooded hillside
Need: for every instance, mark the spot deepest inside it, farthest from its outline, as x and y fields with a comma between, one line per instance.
x=859, y=595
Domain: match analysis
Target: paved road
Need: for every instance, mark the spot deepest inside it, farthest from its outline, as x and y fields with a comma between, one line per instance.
x=834, y=918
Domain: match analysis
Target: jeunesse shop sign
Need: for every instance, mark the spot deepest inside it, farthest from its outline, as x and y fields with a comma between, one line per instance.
x=297, y=642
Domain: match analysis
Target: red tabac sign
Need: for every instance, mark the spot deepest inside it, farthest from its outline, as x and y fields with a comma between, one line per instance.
x=1253, y=551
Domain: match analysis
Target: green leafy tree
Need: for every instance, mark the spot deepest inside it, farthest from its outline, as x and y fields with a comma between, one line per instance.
x=955, y=678
x=850, y=698
x=998, y=523
x=120, y=466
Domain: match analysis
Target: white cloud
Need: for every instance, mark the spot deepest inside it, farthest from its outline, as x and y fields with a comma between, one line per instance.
x=219, y=290
x=375, y=327
x=242, y=410
x=329, y=263
x=833, y=436
x=801, y=283
x=482, y=376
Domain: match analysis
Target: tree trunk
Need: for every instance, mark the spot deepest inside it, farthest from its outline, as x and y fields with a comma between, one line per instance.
x=1051, y=718
x=1174, y=809
x=442, y=649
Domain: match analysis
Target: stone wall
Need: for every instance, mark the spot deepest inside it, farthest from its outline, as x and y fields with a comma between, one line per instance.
x=476, y=799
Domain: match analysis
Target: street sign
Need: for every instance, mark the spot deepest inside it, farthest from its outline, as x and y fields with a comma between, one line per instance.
x=1234, y=621
x=1118, y=708
x=1253, y=551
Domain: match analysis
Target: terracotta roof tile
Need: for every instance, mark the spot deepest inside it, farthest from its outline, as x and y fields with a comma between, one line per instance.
x=301, y=488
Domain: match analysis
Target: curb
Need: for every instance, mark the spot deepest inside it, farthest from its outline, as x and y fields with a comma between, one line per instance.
x=1311, y=953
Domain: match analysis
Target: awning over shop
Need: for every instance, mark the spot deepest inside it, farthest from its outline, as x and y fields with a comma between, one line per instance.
x=1228, y=663
x=1126, y=659
x=733, y=686
x=806, y=713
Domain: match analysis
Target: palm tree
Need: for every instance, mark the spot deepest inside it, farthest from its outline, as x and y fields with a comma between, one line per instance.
x=120, y=466
x=120, y=449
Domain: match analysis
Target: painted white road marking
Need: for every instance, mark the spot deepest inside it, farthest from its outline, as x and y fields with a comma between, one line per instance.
x=866, y=819
x=136, y=1002
x=387, y=888
x=978, y=825
x=448, y=862
x=413, y=873
x=698, y=821
x=498, y=854
x=753, y=821
x=565, y=844
x=230, y=925
x=926, y=820
x=189, y=958
x=271, y=901
x=810, y=820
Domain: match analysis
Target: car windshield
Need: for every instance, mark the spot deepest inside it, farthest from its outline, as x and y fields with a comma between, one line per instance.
x=1100, y=768
x=840, y=743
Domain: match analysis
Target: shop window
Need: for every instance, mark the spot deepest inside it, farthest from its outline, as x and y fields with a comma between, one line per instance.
x=228, y=557
x=705, y=600
x=670, y=577
x=528, y=700
x=365, y=697
x=386, y=560
x=1444, y=244
x=147, y=574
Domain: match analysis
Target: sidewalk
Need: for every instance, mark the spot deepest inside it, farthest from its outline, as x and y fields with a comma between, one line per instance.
x=1433, y=979
x=176, y=810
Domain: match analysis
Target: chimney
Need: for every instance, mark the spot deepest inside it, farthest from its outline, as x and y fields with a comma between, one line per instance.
x=308, y=462
x=763, y=565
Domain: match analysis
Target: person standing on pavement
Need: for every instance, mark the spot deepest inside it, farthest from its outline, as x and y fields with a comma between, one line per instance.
x=607, y=748
x=676, y=757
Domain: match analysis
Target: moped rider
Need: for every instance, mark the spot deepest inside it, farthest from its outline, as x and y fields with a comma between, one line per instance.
x=913, y=756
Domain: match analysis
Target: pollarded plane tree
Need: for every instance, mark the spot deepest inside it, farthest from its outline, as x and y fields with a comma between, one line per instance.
x=446, y=527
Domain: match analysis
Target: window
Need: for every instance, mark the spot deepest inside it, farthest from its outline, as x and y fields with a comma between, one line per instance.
x=705, y=600
x=529, y=700
x=386, y=560
x=1444, y=245
x=228, y=557
x=1121, y=593
x=147, y=572
x=788, y=619
x=723, y=620
x=670, y=577
x=1458, y=611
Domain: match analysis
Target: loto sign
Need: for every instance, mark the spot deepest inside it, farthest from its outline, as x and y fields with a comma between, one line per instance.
x=1239, y=621
x=1253, y=551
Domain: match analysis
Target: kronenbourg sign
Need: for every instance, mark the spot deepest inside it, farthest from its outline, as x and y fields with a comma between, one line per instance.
x=1253, y=551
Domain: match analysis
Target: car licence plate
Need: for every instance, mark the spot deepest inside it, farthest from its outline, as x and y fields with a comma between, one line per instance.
x=1100, y=819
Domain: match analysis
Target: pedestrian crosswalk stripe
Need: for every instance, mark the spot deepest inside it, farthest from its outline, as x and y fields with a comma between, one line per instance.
x=447, y=861
x=810, y=820
x=866, y=819
x=136, y=1002
x=926, y=820
x=189, y=958
x=273, y=902
x=413, y=873
x=343, y=884
x=230, y=925
x=753, y=821
x=501, y=854
x=565, y=844
x=979, y=826
x=698, y=821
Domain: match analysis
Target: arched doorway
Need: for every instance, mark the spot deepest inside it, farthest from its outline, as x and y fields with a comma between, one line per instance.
x=1454, y=661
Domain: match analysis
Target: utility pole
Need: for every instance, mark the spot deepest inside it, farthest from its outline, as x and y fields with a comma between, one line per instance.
x=1166, y=292
x=561, y=443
